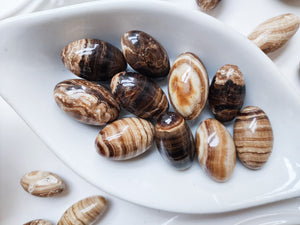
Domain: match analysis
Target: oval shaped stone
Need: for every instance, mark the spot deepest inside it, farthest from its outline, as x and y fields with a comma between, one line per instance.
x=93, y=59
x=253, y=137
x=139, y=95
x=87, y=102
x=145, y=54
x=188, y=86
x=174, y=140
x=216, y=150
x=125, y=138
x=84, y=212
x=42, y=183
x=227, y=93
x=38, y=222
x=273, y=33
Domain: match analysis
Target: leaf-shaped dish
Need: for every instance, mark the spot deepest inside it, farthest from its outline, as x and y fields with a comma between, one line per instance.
x=31, y=66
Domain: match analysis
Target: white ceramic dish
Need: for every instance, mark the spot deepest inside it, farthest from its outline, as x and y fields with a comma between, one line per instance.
x=30, y=55
x=274, y=218
x=13, y=7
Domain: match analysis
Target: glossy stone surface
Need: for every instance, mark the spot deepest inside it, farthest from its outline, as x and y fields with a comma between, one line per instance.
x=139, y=95
x=93, y=59
x=42, y=183
x=207, y=5
x=125, y=138
x=85, y=101
x=273, y=33
x=38, y=222
x=84, y=212
x=215, y=149
x=227, y=93
x=145, y=54
x=253, y=137
x=188, y=86
x=174, y=140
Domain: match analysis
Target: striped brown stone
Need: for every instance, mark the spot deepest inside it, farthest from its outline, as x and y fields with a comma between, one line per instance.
x=42, y=183
x=145, y=54
x=38, y=222
x=174, y=140
x=93, y=59
x=84, y=212
x=139, y=95
x=86, y=101
x=215, y=149
x=188, y=85
x=253, y=137
x=227, y=93
x=125, y=138
x=207, y=5
x=275, y=32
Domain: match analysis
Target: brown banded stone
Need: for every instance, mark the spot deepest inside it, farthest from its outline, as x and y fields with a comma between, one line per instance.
x=275, y=32
x=93, y=59
x=227, y=93
x=215, y=149
x=207, y=5
x=253, y=137
x=188, y=86
x=174, y=140
x=139, y=95
x=38, y=222
x=84, y=212
x=42, y=183
x=125, y=138
x=145, y=54
x=86, y=101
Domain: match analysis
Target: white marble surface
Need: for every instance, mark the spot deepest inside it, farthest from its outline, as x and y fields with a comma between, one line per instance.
x=22, y=151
